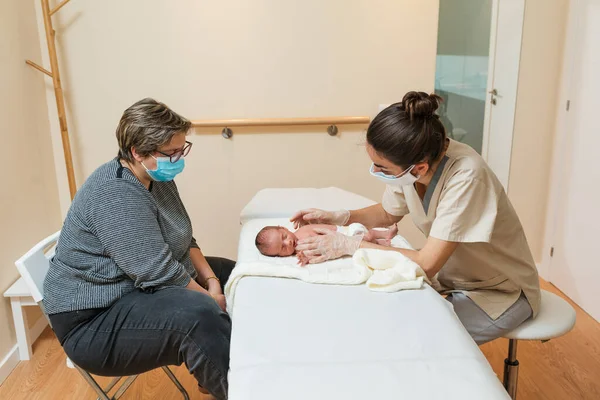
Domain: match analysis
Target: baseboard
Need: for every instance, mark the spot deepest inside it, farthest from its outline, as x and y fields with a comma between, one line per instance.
x=37, y=328
x=9, y=363
x=11, y=360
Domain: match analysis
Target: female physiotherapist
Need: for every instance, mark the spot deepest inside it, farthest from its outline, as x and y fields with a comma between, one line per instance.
x=476, y=250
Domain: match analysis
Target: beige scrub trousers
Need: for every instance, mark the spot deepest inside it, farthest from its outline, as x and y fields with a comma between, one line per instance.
x=491, y=278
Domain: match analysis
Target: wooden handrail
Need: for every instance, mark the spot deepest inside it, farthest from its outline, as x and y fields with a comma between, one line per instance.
x=212, y=123
x=332, y=123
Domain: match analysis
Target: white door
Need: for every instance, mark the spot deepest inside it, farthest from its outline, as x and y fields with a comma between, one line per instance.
x=477, y=69
x=575, y=264
x=505, y=53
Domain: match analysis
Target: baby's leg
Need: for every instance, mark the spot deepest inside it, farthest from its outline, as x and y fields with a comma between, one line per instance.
x=368, y=237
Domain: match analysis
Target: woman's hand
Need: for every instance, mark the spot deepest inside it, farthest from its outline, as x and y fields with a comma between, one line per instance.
x=214, y=289
x=220, y=299
x=328, y=245
x=316, y=216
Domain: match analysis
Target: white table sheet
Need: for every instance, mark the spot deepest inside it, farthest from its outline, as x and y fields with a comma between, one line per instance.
x=282, y=203
x=294, y=340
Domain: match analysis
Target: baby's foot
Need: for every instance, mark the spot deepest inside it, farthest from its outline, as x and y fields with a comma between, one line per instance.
x=392, y=231
x=384, y=242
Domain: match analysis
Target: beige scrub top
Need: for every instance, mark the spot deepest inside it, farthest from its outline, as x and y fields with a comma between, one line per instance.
x=466, y=203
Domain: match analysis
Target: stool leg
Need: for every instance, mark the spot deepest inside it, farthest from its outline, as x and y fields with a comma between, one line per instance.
x=511, y=369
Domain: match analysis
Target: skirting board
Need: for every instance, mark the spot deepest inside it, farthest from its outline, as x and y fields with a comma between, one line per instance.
x=9, y=363
x=11, y=360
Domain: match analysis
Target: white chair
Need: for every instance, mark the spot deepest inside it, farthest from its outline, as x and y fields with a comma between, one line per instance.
x=33, y=267
x=556, y=317
x=20, y=297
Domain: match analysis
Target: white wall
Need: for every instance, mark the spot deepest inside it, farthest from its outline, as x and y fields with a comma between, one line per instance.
x=572, y=230
x=269, y=58
x=242, y=58
x=535, y=118
x=29, y=209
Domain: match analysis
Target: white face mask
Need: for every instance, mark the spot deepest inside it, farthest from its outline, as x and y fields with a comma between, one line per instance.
x=403, y=179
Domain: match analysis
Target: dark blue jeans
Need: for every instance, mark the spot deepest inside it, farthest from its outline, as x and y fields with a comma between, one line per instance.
x=143, y=331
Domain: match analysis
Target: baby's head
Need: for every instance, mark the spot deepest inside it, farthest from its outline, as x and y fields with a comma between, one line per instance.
x=276, y=241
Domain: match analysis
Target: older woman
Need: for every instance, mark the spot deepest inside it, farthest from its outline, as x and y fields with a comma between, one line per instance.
x=129, y=289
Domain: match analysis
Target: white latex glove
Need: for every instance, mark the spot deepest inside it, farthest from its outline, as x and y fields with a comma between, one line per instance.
x=316, y=216
x=328, y=245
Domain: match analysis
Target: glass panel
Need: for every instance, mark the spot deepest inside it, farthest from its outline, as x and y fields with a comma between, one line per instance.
x=462, y=67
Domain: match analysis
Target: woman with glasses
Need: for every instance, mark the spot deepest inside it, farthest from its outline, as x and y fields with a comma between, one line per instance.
x=129, y=289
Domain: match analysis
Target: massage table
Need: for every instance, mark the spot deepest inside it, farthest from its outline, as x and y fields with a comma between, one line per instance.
x=295, y=340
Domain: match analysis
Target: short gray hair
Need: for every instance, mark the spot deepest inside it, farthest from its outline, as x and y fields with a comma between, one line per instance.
x=147, y=125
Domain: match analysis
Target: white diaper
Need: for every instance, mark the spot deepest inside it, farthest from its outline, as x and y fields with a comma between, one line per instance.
x=353, y=229
x=359, y=229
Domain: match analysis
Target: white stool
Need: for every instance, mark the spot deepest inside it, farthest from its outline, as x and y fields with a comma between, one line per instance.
x=556, y=317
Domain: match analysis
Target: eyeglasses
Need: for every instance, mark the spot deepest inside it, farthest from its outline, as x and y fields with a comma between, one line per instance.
x=175, y=156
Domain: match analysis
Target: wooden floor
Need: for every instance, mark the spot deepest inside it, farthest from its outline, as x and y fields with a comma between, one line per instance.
x=567, y=368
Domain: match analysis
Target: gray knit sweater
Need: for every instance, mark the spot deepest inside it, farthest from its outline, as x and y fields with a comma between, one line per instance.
x=119, y=236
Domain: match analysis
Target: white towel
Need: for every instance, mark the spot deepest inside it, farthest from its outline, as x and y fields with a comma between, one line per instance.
x=335, y=272
x=392, y=271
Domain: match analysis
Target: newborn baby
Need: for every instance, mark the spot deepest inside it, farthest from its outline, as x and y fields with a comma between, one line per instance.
x=277, y=241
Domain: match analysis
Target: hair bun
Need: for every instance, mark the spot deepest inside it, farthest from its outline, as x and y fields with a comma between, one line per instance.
x=420, y=104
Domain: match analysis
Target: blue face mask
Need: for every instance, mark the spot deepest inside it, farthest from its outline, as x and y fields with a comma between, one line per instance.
x=165, y=170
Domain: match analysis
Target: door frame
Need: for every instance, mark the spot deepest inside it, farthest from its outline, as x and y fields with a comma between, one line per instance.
x=557, y=174
x=490, y=80
x=498, y=156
